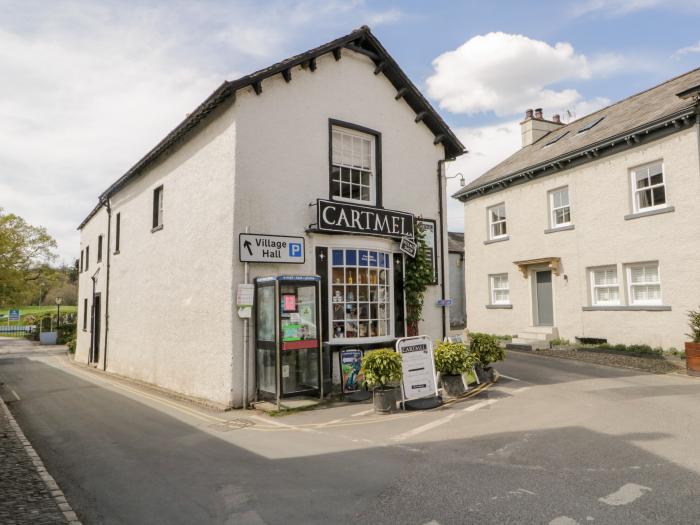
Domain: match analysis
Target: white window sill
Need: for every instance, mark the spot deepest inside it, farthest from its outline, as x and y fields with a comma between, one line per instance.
x=499, y=306
x=497, y=239
x=352, y=201
x=628, y=308
x=649, y=213
x=562, y=228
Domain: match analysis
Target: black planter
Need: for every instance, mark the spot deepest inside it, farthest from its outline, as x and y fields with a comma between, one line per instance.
x=453, y=385
x=485, y=374
x=385, y=399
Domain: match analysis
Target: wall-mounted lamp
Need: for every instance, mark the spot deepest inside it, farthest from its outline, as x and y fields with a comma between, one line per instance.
x=461, y=178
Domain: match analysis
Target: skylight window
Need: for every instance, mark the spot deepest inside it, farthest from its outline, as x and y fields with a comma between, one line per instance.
x=590, y=124
x=556, y=139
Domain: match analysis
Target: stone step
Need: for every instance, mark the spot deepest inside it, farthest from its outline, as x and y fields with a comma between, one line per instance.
x=534, y=344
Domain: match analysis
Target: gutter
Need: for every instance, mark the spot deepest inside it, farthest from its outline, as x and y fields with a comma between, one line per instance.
x=590, y=151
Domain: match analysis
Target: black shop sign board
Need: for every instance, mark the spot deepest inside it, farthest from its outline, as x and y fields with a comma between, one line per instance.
x=344, y=217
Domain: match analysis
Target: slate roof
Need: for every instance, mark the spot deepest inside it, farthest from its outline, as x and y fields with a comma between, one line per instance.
x=619, y=122
x=455, y=242
x=361, y=41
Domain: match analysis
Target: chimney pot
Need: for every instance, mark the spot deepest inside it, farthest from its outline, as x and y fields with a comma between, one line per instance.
x=528, y=114
x=556, y=118
x=538, y=113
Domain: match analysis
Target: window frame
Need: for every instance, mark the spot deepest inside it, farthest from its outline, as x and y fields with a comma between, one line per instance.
x=594, y=286
x=82, y=255
x=87, y=258
x=491, y=224
x=376, y=174
x=631, y=285
x=99, y=248
x=390, y=319
x=117, y=232
x=157, y=208
x=85, y=310
x=493, y=289
x=552, y=209
x=635, y=191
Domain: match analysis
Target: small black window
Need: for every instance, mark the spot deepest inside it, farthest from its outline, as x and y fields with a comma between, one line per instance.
x=158, y=207
x=99, y=248
x=117, y=232
x=557, y=138
x=82, y=255
x=84, y=314
x=87, y=258
x=590, y=124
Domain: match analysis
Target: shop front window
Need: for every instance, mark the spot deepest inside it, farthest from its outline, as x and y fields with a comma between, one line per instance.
x=360, y=294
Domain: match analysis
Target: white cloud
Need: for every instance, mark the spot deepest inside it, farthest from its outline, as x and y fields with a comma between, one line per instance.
x=506, y=74
x=686, y=50
x=87, y=89
x=384, y=17
x=614, y=7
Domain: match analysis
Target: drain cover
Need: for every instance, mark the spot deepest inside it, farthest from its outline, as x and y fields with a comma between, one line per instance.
x=232, y=424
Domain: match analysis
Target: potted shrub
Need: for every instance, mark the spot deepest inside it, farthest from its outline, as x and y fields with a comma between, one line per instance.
x=487, y=350
x=452, y=360
x=692, y=348
x=382, y=371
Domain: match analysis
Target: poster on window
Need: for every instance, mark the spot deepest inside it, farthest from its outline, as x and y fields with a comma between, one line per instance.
x=428, y=227
x=351, y=370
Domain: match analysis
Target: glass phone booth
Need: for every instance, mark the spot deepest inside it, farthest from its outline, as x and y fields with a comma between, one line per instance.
x=288, y=336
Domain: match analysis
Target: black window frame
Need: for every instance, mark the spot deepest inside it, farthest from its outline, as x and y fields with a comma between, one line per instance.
x=157, y=213
x=117, y=232
x=81, y=260
x=377, y=157
x=85, y=310
x=99, y=248
x=87, y=258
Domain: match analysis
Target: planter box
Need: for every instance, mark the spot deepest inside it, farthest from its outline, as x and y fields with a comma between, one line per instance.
x=48, y=338
x=692, y=358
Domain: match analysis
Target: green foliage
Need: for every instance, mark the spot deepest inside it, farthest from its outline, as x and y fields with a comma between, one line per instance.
x=419, y=274
x=66, y=333
x=559, y=342
x=640, y=349
x=694, y=323
x=454, y=358
x=673, y=351
x=620, y=348
x=486, y=348
x=381, y=367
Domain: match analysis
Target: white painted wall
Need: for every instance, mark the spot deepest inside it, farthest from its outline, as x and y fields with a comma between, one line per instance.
x=282, y=163
x=600, y=196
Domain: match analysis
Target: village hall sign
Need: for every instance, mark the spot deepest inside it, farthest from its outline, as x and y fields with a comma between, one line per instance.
x=343, y=217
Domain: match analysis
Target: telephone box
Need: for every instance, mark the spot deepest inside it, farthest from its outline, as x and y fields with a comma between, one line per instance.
x=288, y=336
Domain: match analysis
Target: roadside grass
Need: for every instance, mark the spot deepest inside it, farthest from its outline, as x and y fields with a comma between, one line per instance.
x=34, y=311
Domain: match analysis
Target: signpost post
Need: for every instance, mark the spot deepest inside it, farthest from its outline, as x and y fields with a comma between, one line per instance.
x=262, y=248
x=419, y=378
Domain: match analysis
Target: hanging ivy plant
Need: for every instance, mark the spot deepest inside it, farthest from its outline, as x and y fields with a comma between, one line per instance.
x=419, y=274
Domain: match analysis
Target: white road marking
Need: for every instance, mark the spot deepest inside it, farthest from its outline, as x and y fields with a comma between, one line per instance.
x=625, y=495
x=15, y=394
x=521, y=389
x=327, y=423
x=271, y=421
x=481, y=404
x=508, y=377
x=563, y=520
x=424, y=428
x=363, y=413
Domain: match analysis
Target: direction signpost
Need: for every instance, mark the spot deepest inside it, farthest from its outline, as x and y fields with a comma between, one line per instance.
x=261, y=248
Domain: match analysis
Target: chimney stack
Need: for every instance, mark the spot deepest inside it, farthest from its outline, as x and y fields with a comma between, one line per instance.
x=534, y=127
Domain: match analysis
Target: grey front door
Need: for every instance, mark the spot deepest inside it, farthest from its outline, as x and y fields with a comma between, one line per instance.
x=543, y=299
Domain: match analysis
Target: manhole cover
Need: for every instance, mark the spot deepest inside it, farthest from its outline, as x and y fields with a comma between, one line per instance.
x=232, y=424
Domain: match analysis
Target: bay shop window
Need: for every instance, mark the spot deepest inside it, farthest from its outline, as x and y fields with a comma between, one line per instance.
x=360, y=294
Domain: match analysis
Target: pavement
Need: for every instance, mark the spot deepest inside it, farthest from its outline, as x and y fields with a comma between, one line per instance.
x=555, y=441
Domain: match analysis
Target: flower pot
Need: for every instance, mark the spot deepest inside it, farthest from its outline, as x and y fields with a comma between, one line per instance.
x=692, y=358
x=385, y=399
x=453, y=385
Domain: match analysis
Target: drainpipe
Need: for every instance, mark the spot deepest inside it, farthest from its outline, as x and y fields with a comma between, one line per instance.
x=441, y=213
x=109, y=250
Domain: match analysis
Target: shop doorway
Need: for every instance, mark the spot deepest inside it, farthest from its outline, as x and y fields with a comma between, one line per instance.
x=543, y=300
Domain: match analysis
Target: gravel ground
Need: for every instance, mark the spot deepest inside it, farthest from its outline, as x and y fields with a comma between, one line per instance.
x=24, y=496
x=648, y=364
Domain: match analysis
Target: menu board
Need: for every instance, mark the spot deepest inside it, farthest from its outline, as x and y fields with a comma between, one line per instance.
x=418, y=367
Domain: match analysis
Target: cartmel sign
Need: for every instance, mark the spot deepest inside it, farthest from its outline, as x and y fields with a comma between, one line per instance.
x=342, y=217
x=254, y=247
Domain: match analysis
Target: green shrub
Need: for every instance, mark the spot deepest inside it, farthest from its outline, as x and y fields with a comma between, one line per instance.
x=694, y=323
x=454, y=358
x=640, y=349
x=620, y=348
x=605, y=346
x=658, y=350
x=673, y=351
x=381, y=367
x=486, y=348
x=559, y=342
x=681, y=354
x=70, y=343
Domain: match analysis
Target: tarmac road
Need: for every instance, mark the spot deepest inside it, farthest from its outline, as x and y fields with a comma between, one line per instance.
x=560, y=442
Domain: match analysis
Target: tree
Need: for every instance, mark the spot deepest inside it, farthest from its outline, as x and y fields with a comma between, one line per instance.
x=25, y=252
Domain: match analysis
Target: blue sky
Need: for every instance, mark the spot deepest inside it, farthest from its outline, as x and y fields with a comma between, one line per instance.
x=88, y=87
